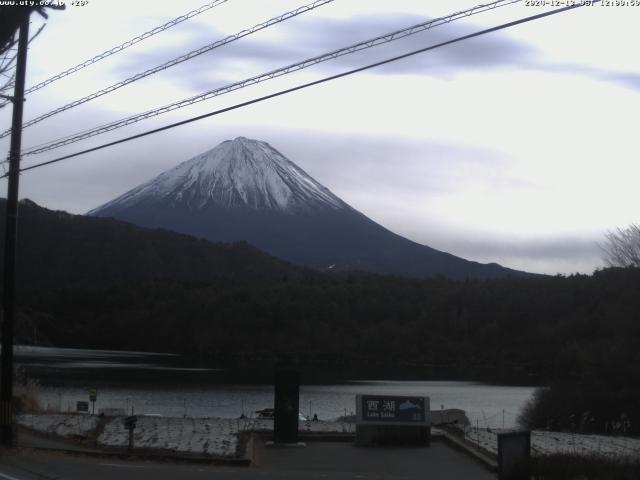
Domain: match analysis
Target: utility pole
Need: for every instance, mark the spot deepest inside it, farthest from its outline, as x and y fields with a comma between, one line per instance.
x=11, y=224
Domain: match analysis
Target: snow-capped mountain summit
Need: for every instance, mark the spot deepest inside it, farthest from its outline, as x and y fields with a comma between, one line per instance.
x=245, y=190
x=237, y=173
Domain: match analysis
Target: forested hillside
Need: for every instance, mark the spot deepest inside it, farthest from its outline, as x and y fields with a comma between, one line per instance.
x=97, y=283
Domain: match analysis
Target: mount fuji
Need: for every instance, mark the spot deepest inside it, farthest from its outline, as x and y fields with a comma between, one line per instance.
x=245, y=190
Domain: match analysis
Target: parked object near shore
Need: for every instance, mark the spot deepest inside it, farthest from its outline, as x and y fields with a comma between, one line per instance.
x=265, y=413
x=450, y=416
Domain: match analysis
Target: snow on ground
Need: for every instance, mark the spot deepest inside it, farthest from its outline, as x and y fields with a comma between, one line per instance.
x=215, y=436
x=59, y=424
x=219, y=436
x=203, y=436
x=547, y=443
x=266, y=425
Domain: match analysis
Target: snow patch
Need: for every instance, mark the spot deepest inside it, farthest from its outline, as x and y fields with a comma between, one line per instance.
x=203, y=436
x=548, y=443
x=216, y=437
x=239, y=172
x=67, y=426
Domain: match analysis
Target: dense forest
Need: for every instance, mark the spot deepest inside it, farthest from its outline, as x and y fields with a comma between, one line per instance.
x=557, y=328
x=578, y=334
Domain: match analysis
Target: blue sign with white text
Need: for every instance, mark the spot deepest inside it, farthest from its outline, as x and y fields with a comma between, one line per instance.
x=393, y=409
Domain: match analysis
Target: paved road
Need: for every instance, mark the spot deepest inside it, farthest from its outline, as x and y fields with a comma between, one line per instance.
x=346, y=461
x=339, y=461
x=49, y=466
x=34, y=440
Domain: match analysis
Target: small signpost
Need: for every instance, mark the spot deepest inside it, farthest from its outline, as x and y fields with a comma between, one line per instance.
x=130, y=424
x=82, y=406
x=392, y=419
x=93, y=395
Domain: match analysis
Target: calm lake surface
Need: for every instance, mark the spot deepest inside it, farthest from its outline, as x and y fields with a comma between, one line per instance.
x=166, y=385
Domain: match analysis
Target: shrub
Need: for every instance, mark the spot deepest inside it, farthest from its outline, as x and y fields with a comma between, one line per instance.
x=583, y=408
x=25, y=397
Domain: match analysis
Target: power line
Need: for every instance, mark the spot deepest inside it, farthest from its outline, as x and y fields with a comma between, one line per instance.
x=127, y=44
x=307, y=85
x=176, y=61
x=268, y=76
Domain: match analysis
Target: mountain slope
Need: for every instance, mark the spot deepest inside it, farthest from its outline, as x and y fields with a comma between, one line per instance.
x=241, y=173
x=57, y=249
x=246, y=190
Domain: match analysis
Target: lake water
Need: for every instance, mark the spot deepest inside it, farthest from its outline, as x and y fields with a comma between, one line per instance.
x=165, y=385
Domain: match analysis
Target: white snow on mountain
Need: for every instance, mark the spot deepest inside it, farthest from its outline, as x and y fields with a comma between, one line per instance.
x=237, y=173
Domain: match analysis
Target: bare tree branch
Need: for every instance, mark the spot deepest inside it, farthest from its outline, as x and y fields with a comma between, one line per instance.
x=33, y=37
x=10, y=18
x=622, y=247
x=7, y=62
x=9, y=57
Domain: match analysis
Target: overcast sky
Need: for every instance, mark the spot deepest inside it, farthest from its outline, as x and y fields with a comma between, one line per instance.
x=519, y=147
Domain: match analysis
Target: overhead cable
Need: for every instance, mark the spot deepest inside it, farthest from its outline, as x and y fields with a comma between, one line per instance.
x=122, y=46
x=127, y=44
x=175, y=61
x=306, y=85
x=389, y=37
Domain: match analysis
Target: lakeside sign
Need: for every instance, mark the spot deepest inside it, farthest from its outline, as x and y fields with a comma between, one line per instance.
x=393, y=410
x=392, y=419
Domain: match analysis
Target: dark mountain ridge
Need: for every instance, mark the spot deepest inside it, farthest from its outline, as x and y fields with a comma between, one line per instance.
x=57, y=249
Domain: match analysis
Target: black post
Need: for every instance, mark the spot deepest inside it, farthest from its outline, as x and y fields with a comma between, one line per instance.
x=287, y=393
x=514, y=455
x=11, y=224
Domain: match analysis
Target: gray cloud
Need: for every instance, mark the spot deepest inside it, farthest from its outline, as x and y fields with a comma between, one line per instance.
x=431, y=167
x=311, y=37
x=558, y=254
x=626, y=79
x=362, y=169
x=552, y=249
x=316, y=37
x=550, y=253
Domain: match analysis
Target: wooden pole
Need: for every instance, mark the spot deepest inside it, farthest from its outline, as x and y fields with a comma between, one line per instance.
x=11, y=230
